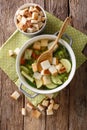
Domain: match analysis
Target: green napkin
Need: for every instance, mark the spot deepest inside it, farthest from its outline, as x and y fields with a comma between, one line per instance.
x=17, y=40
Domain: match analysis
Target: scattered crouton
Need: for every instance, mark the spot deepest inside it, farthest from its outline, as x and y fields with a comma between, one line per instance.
x=34, y=67
x=59, y=66
x=55, y=61
x=55, y=106
x=45, y=64
x=45, y=72
x=40, y=107
x=23, y=111
x=36, y=113
x=53, y=70
x=35, y=15
x=30, y=106
x=50, y=107
x=49, y=112
x=16, y=51
x=15, y=95
x=52, y=101
x=45, y=103
x=44, y=42
x=50, y=96
x=11, y=52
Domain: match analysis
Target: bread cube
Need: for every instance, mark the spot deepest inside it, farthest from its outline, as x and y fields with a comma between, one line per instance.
x=39, y=18
x=53, y=70
x=45, y=64
x=30, y=106
x=35, y=15
x=46, y=80
x=39, y=82
x=37, y=75
x=59, y=66
x=41, y=13
x=16, y=51
x=62, y=70
x=40, y=24
x=34, y=67
x=44, y=42
x=45, y=103
x=23, y=111
x=15, y=95
x=55, y=106
x=22, y=27
x=37, y=45
x=54, y=61
x=11, y=53
x=36, y=26
x=50, y=107
x=49, y=112
x=21, y=12
x=19, y=18
x=40, y=107
x=31, y=9
x=34, y=21
x=23, y=20
x=49, y=96
x=52, y=101
x=36, y=113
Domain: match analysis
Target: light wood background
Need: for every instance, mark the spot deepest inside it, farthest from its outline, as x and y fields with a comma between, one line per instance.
x=72, y=114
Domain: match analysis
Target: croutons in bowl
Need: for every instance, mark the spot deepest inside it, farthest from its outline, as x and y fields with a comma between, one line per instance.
x=55, y=75
x=30, y=19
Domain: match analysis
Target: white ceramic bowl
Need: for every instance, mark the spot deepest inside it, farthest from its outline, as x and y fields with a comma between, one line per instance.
x=25, y=6
x=50, y=37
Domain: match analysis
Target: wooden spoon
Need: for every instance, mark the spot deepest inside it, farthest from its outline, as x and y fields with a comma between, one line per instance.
x=48, y=55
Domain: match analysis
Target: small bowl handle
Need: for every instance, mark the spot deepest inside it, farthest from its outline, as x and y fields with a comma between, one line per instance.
x=66, y=36
x=27, y=94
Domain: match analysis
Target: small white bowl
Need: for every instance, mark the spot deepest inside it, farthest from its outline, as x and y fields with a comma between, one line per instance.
x=36, y=32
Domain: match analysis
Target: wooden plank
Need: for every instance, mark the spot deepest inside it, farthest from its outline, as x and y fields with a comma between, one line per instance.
x=10, y=111
x=78, y=10
x=59, y=121
x=78, y=89
x=59, y=8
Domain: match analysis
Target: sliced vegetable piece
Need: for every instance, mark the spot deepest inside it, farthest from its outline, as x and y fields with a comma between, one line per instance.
x=56, y=80
x=25, y=69
x=39, y=83
x=27, y=76
x=66, y=63
x=51, y=86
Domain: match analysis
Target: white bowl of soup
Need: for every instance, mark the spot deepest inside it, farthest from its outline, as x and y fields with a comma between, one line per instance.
x=53, y=76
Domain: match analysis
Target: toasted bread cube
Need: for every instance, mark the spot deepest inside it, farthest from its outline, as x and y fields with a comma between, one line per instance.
x=49, y=112
x=41, y=13
x=49, y=96
x=36, y=113
x=11, y=53
x=23, y=111
x=46, y=80
x=52, y=101
x=34, y=21
x=39, y=18
x=30, y=106
x=31, y=9
x=54, y=61
x=45, y=64
x=40, y=107
x=23, y=20
x=45, y=72
x=15, y=95
x=50, y=107
x=43, y=19
x=21, y=12
x=37, y=75
x=16, y=51
x=45, y=103
x=31, y=29
x=36, y=26
x=53, y=70
x=37, y=46
x=36, y=10
x=34, y=67
x=19, y=17
x=62, y=70
x=44, y=42
x=22, y=27
x=35, y=15
x=59, y=66
x=55, y=106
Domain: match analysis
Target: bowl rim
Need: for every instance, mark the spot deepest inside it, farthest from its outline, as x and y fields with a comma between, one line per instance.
x=27, y=5
x=72, y=56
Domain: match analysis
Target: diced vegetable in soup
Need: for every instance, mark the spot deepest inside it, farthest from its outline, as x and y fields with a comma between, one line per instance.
x=52, y=74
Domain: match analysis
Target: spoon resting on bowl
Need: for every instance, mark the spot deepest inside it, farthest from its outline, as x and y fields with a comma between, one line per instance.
x=48, y=55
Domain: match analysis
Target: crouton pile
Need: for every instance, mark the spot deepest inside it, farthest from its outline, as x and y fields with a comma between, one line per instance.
x=30, y=19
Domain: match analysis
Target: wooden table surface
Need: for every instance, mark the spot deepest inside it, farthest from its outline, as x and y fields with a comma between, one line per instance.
x=72, y=114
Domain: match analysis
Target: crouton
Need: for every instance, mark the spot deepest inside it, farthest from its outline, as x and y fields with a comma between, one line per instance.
x=23, y=111
x=31, y=29
x=49, y=96
x=30, y=106
x=62, y=70
x=50, y=107
x=11, y=52
x=41, y=13
x=59, y=66
x=43, y=19
x=53, y=70
x=16, y=51
x=40, y=107
x=36, y=26
x=45, y=64
x=31, y=9
x=34, y=21
x=52, y=101
x=54, y=61
x=34, y=67
x=45, y=103
x=44, y=42
x=15, y=95
x=23, y=20
x=49, y=112
x=46, y=80
x=19, y=18
x=36, y=113
x=55, y=106
x=35, y=15
x=36, y=10
x=37, y=45
x=40, y=24
x=37, y=75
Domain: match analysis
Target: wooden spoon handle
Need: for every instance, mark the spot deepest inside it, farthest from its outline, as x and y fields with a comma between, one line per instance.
x=62, y=30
